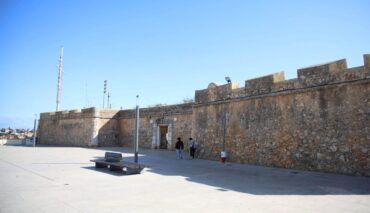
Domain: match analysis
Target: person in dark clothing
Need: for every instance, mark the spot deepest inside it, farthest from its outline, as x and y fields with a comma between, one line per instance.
x=193, y=147
x=179, y=148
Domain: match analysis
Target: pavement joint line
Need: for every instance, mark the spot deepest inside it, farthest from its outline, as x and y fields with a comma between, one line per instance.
x=27, y=170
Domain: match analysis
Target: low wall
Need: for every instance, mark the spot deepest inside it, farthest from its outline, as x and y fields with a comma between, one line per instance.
x=13, y=142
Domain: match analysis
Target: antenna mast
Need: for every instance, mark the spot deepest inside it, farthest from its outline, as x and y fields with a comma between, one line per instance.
x=60, y=72
x=105, y=92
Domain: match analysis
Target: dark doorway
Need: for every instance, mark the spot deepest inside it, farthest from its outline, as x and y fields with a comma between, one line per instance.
x=163, y=137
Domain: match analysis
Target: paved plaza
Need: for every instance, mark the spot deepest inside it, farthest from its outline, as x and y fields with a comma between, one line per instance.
x=61, y=179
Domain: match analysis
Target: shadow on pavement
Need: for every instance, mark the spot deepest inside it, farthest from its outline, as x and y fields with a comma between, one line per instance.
x=106, y=171
x=244, y=178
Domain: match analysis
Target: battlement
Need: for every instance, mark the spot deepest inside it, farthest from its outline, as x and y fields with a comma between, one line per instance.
x=312, y=76
x=216, y=92
x=367, y=61
x=92, y=112
x=322, y=73
x=263, y=85
x=159, y=111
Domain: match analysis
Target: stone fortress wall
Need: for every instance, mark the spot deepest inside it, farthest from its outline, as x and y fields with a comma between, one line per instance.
x=177, y=119
x=319, y=121
x=107, y=127
x=86, y=127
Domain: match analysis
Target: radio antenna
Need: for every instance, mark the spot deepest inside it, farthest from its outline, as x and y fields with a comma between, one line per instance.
x=60, y=73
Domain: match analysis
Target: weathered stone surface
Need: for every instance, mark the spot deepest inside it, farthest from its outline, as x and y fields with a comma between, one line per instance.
x=216, y=92
x=367, y=61
x=177, y=118
x=321, y=74
x=87, y=127
x=262, y=85
x=306, y=129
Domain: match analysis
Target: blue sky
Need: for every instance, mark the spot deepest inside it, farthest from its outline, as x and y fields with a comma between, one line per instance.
x=162, y=50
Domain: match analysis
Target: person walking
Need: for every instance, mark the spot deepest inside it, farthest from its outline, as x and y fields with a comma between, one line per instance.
x=193, y=147
x=179, y=148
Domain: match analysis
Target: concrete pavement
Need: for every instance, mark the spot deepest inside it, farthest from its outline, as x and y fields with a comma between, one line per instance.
x=61, y=179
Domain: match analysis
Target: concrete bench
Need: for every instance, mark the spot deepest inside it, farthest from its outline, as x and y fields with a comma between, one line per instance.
x=114, y=162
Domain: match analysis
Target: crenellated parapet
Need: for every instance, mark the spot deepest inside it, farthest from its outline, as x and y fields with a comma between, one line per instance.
x=92, y=112
x=167, y=110
x=332, y=72
x=216, y=92
x=312, y=76
x=367, y=62
x=263, y=85
x=69, y=114
x=321, y=74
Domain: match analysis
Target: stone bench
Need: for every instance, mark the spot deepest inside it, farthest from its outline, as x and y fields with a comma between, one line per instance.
x=114, y=162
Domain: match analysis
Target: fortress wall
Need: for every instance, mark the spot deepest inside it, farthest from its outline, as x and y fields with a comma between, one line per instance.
x=78, y=127
x=178, y=118
x=66, y=128
x=319, y=121
x=107, y=125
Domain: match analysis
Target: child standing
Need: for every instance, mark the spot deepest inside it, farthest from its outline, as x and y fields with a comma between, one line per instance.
x=223, y=156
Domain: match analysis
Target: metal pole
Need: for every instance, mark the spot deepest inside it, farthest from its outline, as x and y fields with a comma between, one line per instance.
x=225, y=113
x=103, y=99
x=137, y=122
x=34, y=131
x=224, y=125
x=108, y=106
x=59, y=84
x=105, y=92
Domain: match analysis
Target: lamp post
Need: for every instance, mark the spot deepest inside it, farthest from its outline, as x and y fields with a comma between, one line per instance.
x=34, y=131
x=227, y=78
x=223, y=151
x=137, y=130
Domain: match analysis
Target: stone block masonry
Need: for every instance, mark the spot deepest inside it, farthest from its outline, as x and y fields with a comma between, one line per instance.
x=262, y=85
x=322, y=129
x=86, y=127
x=319, y=121
x=174, y=120
x=321, y=74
